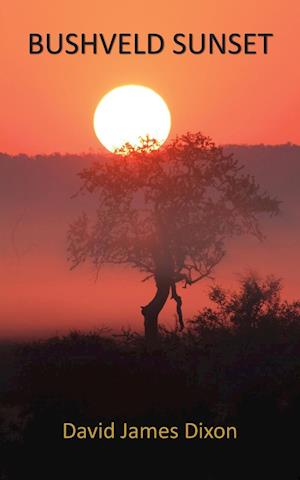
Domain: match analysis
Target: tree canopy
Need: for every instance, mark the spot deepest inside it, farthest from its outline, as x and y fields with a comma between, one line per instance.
x=167, y=212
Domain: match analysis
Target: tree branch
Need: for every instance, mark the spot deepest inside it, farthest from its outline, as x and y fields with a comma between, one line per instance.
x=178, y=301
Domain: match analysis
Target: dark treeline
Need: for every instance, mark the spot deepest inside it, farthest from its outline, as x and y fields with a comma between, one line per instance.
x=29, y=178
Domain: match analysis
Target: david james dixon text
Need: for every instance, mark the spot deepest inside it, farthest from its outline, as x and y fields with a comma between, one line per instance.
x=125, y=431
x=149, y=44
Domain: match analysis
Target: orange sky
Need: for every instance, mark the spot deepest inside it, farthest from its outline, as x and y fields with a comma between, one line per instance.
x=47, y=102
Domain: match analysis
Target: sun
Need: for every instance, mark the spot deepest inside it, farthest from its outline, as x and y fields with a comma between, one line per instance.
x=130, y=113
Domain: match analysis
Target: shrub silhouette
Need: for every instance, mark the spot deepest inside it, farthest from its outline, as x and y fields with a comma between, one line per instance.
x=256, y=306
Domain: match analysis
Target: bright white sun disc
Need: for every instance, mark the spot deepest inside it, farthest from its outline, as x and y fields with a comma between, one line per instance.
x=128, y=113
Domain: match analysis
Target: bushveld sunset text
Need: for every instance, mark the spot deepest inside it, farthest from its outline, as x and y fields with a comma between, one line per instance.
x=149, y=44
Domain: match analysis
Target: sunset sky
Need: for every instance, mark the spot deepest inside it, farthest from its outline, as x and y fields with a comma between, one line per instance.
x=47, y=102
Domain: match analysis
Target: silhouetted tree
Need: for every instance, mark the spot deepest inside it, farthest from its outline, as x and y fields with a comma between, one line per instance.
x=167, y=213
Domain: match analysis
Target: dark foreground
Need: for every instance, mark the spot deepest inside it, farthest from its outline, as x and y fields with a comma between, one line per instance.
x=238, y=364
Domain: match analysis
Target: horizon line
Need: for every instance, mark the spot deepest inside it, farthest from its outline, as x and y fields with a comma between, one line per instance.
x=99, y=152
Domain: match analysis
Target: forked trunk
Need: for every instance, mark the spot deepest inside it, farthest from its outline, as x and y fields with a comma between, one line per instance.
x=152, y=310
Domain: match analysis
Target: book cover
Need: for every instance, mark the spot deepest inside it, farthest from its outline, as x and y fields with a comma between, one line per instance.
x=149, y=196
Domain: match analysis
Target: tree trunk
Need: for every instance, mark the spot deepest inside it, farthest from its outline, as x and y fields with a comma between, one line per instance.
x=152, y=310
